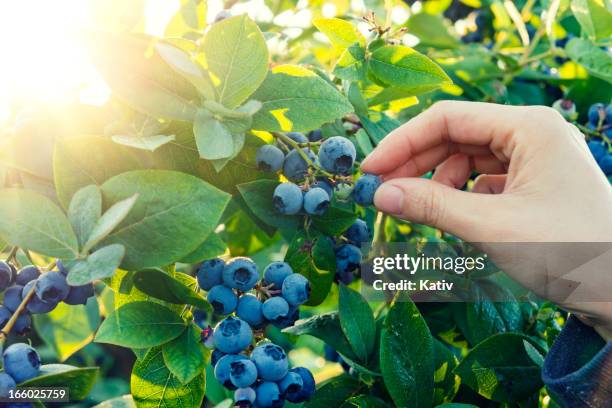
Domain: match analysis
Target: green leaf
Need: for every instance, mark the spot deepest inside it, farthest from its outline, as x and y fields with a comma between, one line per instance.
x=98, y=265
x=160, y=285
x=79, y=381
x=597, y=61
x=446, y=383
x=363, y=141
x=213, y=139
x=125, y=401
x=153, y=384
x=334, y=221
x=431, y=30
x=82, y=161
x=32, y=221
x=406, y=356
x=109, y=221
x=456, y=405
x=594, y=18
x=402, y=66
x=189, y=20
x=364, y=401
x=357, y=322
x=149, y=143
x=296, y=99
x=84, y=211
x=140, y=325
x=68, y=328
x=500, y=369
x=325, y=327
x=211, y=247
x=341, y=33
x=174, y=213
x=180, y=62
x=378, y=127
x=258, y=197
x=351, y=65
x=185, y=356
x=333, y=392
x=227, y=46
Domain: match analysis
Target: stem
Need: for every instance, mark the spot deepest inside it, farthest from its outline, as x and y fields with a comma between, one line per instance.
x=12, y=254
x=379, y=228
x=28, y=255
x=296, y=146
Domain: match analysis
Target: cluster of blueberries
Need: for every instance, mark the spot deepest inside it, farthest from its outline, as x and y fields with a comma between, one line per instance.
x=50, y=289
x=260, y=375
x=21, y=363
x=336, y=155
x=348, y=252
x=600, y=119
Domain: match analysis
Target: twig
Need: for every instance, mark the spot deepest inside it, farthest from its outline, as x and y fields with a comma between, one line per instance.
x=12, y=254
x=296, y=146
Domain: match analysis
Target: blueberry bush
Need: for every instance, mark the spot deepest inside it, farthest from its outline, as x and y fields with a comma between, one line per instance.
x=197, y=240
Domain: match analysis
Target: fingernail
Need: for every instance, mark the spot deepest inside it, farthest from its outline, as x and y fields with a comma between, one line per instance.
x=390, y=199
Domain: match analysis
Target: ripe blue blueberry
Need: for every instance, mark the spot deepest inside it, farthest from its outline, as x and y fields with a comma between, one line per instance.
x=291, y=385
x=21, y=361
x=23, y=324
x=598, y=149
x=232, y=335
x=348, y=258
x=244, y=397
x=275, y=308
x=325, y=184
x=222, y=299
x=297, y=137
x=78, y=295
x=6, y=384
x=5, y=315
x=289, y=320
x=243, y=373
x=296, y=289
x=61, y=268
x=315, y=135
x=595, y=111
x=200, y=318
x=365, y=187
x=12, y=297
x=358, y=233
x=316, y=201
x=210, y=273
x=52, y=287
x=606, y=164
x=287, y=198
x=249, y=310
x=27, y=274
x=609, y=114
x=240, y=273
x=268, y=395
x=6, y=275
x=271, y=361
x=223, y=367
x=269, y=158
x=36, y=305
x=216, y=356
x=275, y=274
x=295, y=167
x=337, y=155
x=308, y=384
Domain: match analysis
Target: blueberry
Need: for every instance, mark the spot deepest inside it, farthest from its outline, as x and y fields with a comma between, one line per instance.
x=595, y=111
x=5, y=315
x=358, y=233
x=223, y=366
x=6, y=275
x=606, y=164
x=12, y=297
x=52, y=287
x=271, y=361
x=565, y=107
x=289, y=320
x=337, y=155
x=308, y=384
x=275, y=308
x=244, y=397
x=275, y=274
x=348, y=258
x=240, y=273
x=23, y=324
x=222, y=299
x=210, y=273
x=36, y=305
x=344, y=276
x=6, y=384
x=216, y=356
x=325, y=184
x=291, y=386
x=61, y=268
x=609, y=114
x=295, y=167
x=21, y=362
x=287, y=198
x=269, y=158
x=315, y=135
x=330, y=354
x=296, y=289
x=297, y=137
x=316, y=201
x=232, y=335
x=249, y=310
x=268, y=395
x=78, y=295
x=200, y=318
x=365, y=187
x=27, y=274
x=243, y=373
x=598, y=149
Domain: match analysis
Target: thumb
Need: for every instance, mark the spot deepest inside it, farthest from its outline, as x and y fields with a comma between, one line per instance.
x=429, y=202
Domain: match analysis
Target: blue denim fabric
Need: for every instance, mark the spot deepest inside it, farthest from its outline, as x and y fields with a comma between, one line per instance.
x=578, y=368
